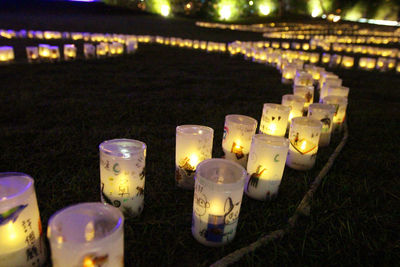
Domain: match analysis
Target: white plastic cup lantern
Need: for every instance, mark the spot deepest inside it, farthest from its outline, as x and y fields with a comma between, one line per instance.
x=236, y=141
x=89, y=51
x=303, y=79
x=304, y=137
x=274, y=119
x=338, y=91
x=193, y=145
x=87, y=234
x=44, y=52
x=6, y=54
x=122, y=174
x=32, y=54
x=329, y=83
x=296, y=105
x=340, y=104
x=265, y=166
x=324, y=113
x=306, y=92
x=288, y=73
x=54, y=53
x=69, y=52
x=347, y=62
x=217, y=199
x=21, y=239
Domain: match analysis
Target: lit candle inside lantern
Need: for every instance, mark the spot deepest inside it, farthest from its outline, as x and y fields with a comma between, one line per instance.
x=288, y=73
x=122, y=174
x=6, y=54
x=238, y=131
x=340, y=104
x=303, y=78
x=274, y=119
x=32, y=53
x=54, y=53
x=324, y=113
x=296, y=105
x=218, y=196
x=87, y=235
x=102, y=50
x=265, y=166
x=306, y=92
x=69, y=51
x=21, y=239
x=193, y=145
x=335, y=60
x=329, y=83
x=304, y=137
x=326, y=58
x=347, y=62
x=44, y=52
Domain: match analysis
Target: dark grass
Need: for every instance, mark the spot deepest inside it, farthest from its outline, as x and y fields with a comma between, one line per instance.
x=54, y=116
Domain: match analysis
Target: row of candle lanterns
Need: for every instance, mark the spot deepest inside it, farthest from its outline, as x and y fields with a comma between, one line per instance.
x=92, y=233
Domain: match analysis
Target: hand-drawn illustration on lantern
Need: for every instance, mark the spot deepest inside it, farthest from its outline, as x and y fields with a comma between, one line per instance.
x=274, y=119
x=122, y=174
x=304, y=137
x=217, y=199
x=296, y=105
x=238, y=131
x=340, y=103
x=265, y=166
x=193, y=145
x=323, y=113
x=87, y=234
x=21, y=239
x=306, y=92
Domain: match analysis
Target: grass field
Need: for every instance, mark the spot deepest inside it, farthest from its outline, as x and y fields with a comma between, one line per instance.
x=54, y=116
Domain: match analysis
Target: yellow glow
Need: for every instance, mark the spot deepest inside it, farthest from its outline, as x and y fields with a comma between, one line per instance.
x=60, y=239
x=316, y=12
x=251, y=3
x=88, y=262
x=272, y=128
x=193, y=160
x=216, y=207
x=225, y=12
x=303, y=145
x=3, y=58
x=264, y=10
x=165, y=9
x=11, y=230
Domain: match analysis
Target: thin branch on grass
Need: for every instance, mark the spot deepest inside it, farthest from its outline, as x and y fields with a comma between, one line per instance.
x=303, y=209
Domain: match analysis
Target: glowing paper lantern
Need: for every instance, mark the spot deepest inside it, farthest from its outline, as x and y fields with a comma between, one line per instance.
x=218, y=196
x=44, y=52
x=54, y=53
x=324, y=113
x=21, y=242
x=238, y=131
x=340, y=104
x=304, y=137
x=265, y=166
x=329, y=83
x=87, y=234
x=338, y=91
x=6, y=54
x=288, y=73
x=347, y=62
x=296, y=105
x=89, y=51
x=32, y=53
x=102, y=50
x=335, y=60
x=303, y=78
x=326, y=58
x=274, y=119
x=193, y=145
x=69, y=52
x=122, y=174
x=306, y=92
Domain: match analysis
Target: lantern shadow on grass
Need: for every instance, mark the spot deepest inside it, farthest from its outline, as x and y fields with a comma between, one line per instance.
x=54, y=116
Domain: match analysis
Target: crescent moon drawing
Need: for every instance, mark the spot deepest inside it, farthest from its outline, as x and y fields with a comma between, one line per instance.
x=276, y=158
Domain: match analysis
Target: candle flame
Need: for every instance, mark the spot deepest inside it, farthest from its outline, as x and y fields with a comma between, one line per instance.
x=272, y=128
x=89, y=231
x=11, y=230
x=303, y=145
x=193, y=160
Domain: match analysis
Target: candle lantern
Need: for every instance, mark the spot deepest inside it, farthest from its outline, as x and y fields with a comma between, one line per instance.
x=131, y=46
x=89, y=51
x=326, y=58
x=54, y=53
x=87, y=234
x=314, y=58
x=21, y=239
x=304, y=137
x=102, y=50
x=44, y=52
x=303, y=78
x=32, y=53
x=306, y=92
x=324, y=113
x=238, y=131
x=329, y=83
x=274, y=119
x=265, y=166
x=335, y=60
x=6, y=54
x=296, y=105
x=347, y=62
x=69, y=52
x=288, y=73
x=122, y=174
x=193, y=145
x=218, y=196
x=340, y=104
